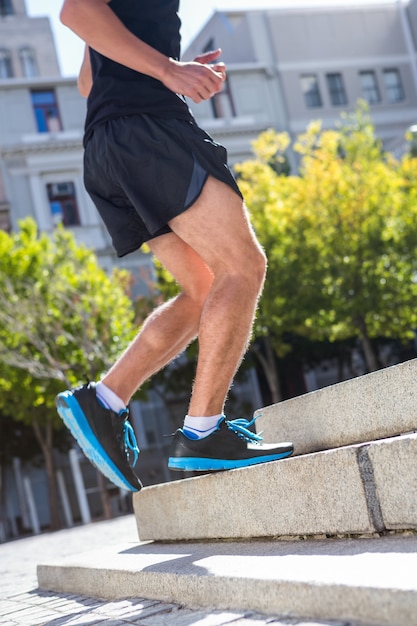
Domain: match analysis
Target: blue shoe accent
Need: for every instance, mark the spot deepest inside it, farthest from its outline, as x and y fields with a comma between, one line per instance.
x=241, y=428
x=193, y=464
x=75, y=420
x=130, y=442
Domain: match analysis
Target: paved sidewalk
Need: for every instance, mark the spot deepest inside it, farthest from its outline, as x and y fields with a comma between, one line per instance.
x=22, y=603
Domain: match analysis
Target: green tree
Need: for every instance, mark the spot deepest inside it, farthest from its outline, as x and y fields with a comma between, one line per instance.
x=341, y=237
x=62, y=320
x=281, y=227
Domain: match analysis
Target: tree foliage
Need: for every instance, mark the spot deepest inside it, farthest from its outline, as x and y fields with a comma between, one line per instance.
x=63, y=321
x=341, y=236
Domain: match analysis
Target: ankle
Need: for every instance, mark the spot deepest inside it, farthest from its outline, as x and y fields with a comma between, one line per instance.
x=200, y=427
x=109, y=398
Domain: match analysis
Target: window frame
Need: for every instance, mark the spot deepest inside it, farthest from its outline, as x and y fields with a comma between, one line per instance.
x=45, y=111
x=399, y=86
x=222, y=103
x=370, y=89
x=60, y=211
x=337, y=91
x=6, y=8
x=7, y=63
x=312, y=97
x=27, y=56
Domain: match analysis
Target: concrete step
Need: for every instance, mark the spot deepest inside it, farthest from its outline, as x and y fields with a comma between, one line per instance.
x=372, y=581
x=374, y=406
x=360, y=489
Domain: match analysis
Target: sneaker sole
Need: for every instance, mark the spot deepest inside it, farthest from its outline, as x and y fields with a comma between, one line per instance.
x=74, y=419
x=196, y=464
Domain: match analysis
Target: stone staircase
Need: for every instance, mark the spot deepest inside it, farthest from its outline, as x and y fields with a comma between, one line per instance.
x=330, y=533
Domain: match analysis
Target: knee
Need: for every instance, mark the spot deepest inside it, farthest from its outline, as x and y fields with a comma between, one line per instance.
x=253, y=267
x=245, y=267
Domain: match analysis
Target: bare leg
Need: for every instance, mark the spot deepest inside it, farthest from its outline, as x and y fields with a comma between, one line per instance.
x=214, y=256
x=172, y=326
x=217, y=228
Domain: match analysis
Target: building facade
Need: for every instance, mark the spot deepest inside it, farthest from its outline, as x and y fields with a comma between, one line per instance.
x=290, y=65
x=27, y=46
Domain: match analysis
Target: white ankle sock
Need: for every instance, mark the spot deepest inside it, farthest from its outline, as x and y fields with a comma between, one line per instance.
x=199, y=427
x=108, y=398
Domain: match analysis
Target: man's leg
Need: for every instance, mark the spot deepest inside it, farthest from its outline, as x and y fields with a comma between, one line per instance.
x=102, y=430
x=216, y=259
x=172, y=326
x=218, y=229
x=218, y=303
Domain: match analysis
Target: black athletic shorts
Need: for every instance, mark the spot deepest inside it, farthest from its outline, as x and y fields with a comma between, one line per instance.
x=142, y=171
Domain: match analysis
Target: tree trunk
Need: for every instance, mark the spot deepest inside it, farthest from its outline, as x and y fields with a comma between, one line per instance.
x=368, y=349
x=46, y=445
x=268, y=363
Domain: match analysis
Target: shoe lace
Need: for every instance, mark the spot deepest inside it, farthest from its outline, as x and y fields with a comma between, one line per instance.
x=241, y=426
x=130, y=441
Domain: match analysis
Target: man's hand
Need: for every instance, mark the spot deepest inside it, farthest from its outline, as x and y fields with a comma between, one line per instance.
x=209, y=57
x=199, y=79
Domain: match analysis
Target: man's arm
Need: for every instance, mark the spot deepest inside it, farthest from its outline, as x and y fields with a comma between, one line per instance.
x=95, y=23
x=85, y=79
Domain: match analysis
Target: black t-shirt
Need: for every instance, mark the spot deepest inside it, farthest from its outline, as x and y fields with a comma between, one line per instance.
x=118, y=90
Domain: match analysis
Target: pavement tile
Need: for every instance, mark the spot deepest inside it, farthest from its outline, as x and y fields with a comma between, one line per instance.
x=42, y=597
x=125, y=607
x=6, y=608
x=19, y=612
x=115, y=622
x=88, y=619
x=186, y=617
x=115, y=606
x=54, y=620
x=67, y=607
x=19, y=596
x=28, y=616
x=64, y=603
x=255, y=621
x=157, y=609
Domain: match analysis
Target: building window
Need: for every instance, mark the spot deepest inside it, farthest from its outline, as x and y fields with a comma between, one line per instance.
x=222, y=103
x=63, y=203
x=210, y=45
x=370, y=90
x=5, y=219
x=6, y=68
x=28, y=62
x=6, y=7
x=393, y=86
x=311, y=91
x=46, y=112
x=336, y=89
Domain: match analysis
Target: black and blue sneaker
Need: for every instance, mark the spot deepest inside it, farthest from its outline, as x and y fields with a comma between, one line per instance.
x=106, y=438
x=230, y=446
